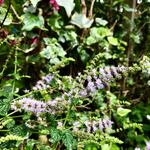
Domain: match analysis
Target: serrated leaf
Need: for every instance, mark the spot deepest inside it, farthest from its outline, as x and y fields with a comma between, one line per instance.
x=68, y=140
x=19, y=130
x=55, y=135
x=4, y=106
x=67, y=4
x=34, y=2
x=113, y=41
x=31, y=21
x=81, y=20
x=122, y=111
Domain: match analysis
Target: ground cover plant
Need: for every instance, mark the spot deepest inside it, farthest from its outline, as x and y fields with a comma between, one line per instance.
x=75, y=74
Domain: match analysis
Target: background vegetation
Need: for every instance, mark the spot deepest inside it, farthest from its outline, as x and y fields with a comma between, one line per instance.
x=75, y=74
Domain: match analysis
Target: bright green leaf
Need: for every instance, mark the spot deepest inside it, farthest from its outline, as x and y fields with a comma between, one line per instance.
x=113, y=41
x=122, y=111
x=68, y=5
x=31, y=21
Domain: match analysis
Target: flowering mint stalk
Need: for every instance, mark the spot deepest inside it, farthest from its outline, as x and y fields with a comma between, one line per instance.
x=100, y=78
x=37, y=107
x=29, y=105
x=94, y=125
x=101, y=124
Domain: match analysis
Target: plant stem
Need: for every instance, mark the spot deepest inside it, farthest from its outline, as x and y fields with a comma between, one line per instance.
x=15, y=72
x=68, y=114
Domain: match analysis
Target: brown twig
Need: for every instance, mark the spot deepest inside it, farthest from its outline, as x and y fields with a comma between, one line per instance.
x=15, y=12
x=90, y=15
x=84, y=7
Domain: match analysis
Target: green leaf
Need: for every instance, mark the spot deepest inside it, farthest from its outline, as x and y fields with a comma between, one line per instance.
x=68, y=5
x=55, y=135
x=90, y=40
x=101, y=21
x=122, y=111
x=31, y=21
x=68, y=140
x=53, y=51
x=30, y=144
x=81, y=20
x=113, y=41
x=55, y=22
x=9, y=18
x=19, y=130
x=4, y=106
x=97, y=34
x=100, y=33
x=34, y=2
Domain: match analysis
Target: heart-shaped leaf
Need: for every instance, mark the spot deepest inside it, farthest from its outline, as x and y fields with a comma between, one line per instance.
x=67, y=4
x=122, y=111
x=31, y=21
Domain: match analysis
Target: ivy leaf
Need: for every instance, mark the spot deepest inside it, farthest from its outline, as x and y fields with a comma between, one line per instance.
x=81, y=20
x=67, y=4
x=113, y=41
x=122, y=111
x=9, y=18
x=53, y=51
x=34, y=2
x=31, y=21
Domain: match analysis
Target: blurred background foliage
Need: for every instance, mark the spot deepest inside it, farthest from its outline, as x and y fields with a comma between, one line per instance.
x=66, y=37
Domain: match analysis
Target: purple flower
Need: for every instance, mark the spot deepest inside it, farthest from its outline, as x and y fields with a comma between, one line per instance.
x=76, y=126
x=94, y=126
x=107, y=123
x=99, y=84
x=100, y=124
x=108, y=75
x=83, y=93
x=91, y=87
x=48, y=78
x=148, y=145
x=43, y=84
x=88, y=125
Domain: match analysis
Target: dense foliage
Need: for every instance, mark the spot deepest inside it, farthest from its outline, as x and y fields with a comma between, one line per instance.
x=75, y=74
